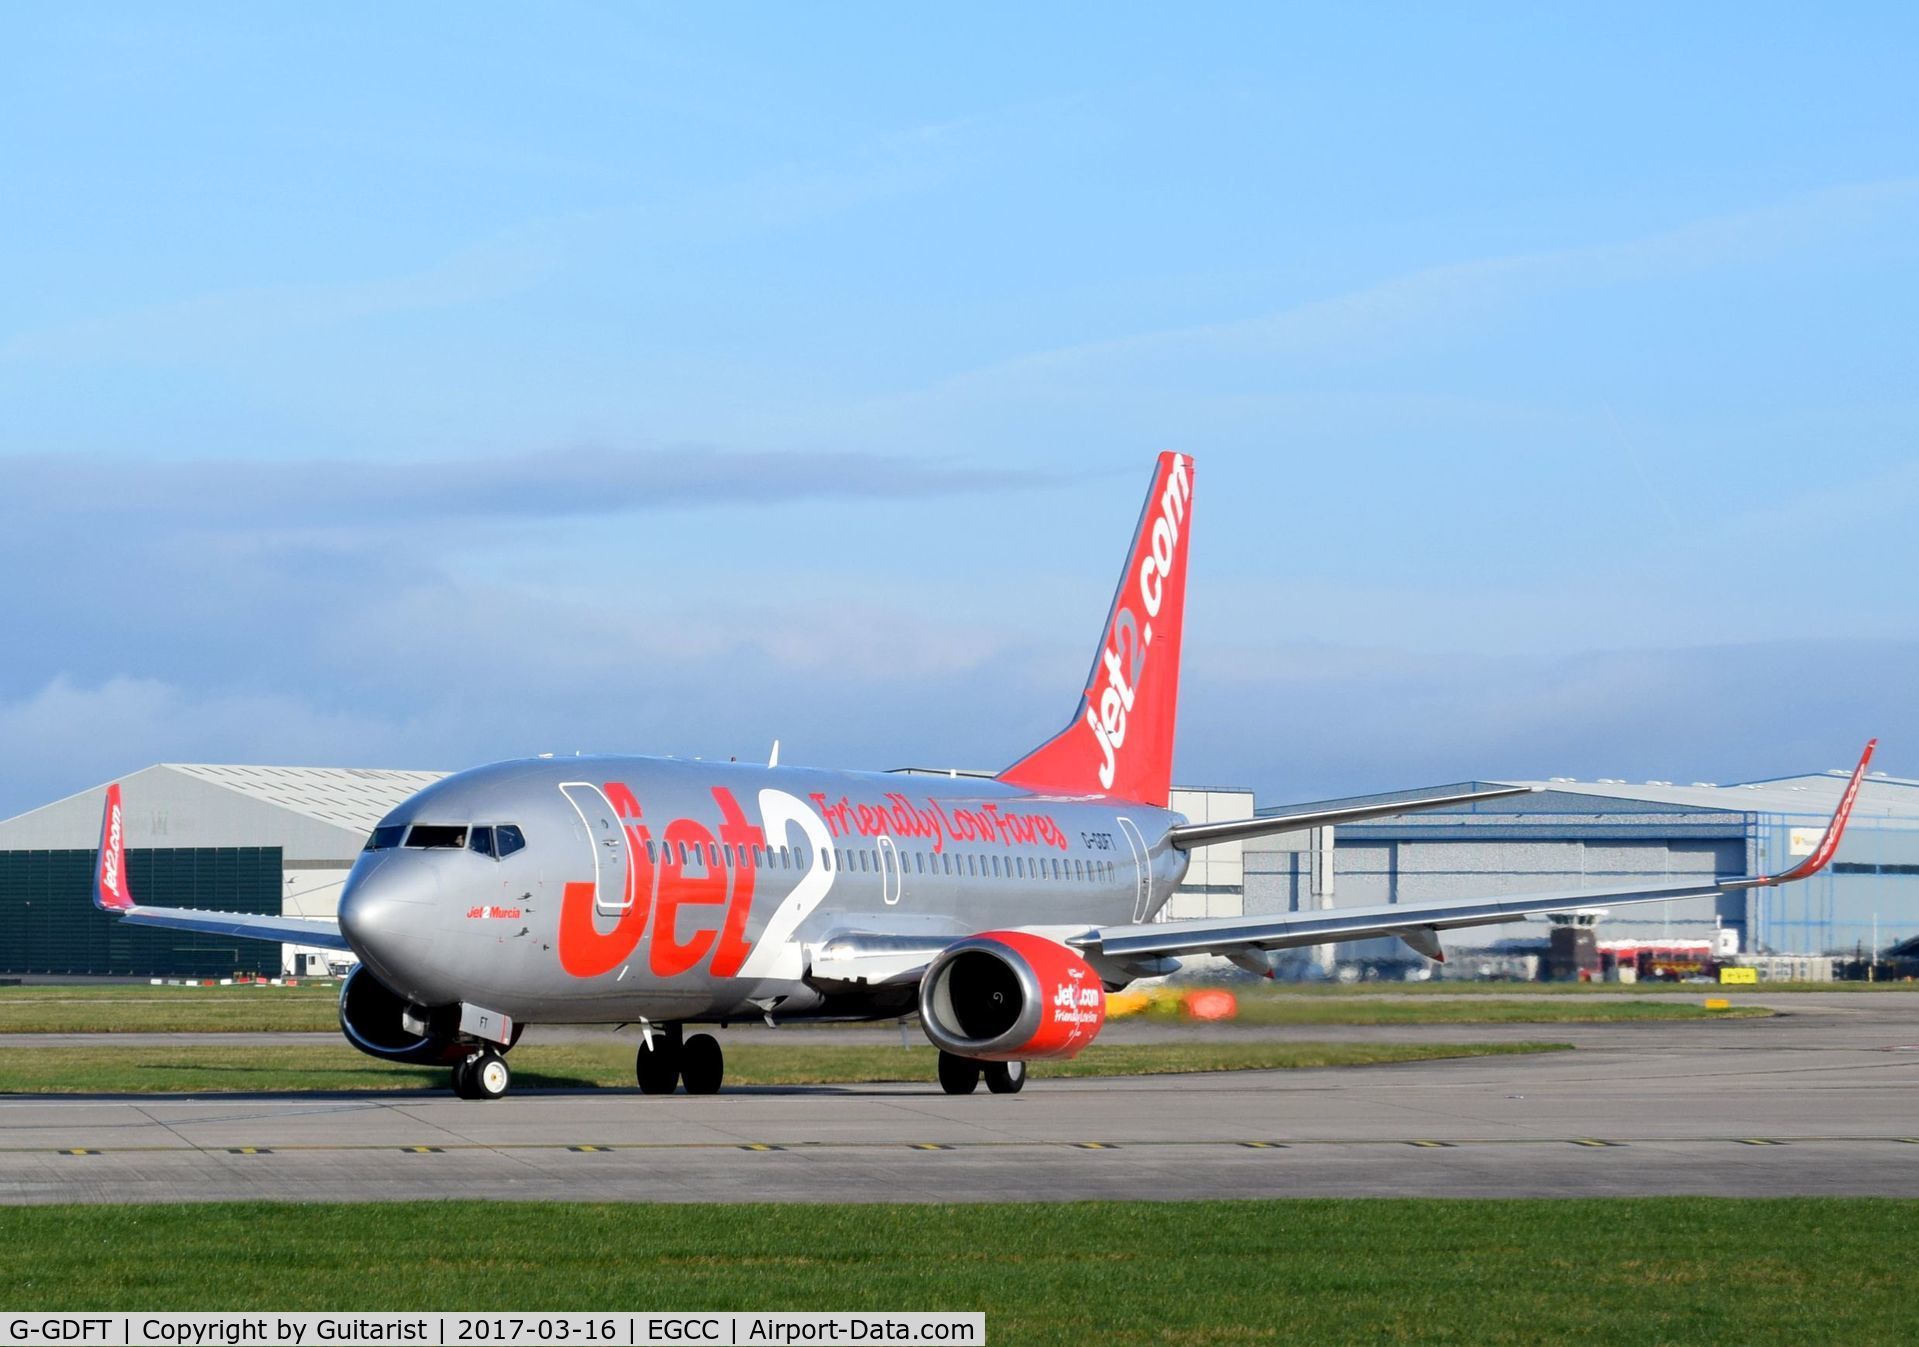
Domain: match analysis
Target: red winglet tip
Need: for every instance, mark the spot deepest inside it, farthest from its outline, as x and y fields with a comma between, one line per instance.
x=110, y=892
x=1836, y=829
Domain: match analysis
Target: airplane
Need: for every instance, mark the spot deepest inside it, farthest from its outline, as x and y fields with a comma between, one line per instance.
x=670, y=893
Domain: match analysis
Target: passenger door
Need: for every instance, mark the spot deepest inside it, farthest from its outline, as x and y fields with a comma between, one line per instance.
x=612, y=863
x=1141, y=868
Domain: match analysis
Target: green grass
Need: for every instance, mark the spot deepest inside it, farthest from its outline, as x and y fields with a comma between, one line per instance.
x=1279, y=1008
x=1466, y=987
x=1655, y=1270
x=137, y=1008
x=197, y=1068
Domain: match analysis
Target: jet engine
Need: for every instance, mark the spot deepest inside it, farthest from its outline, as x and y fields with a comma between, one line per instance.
x=1005, y=996
x=381, y=1023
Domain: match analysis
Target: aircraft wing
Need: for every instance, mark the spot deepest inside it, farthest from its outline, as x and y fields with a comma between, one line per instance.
x=111, y=894
x=1188, y=835
x=1247, y=940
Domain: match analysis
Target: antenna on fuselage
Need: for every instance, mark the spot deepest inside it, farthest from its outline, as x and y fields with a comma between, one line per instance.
x=773, y=758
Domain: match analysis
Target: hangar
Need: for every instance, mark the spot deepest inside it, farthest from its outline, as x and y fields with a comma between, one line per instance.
x=1597, y=834
x=247, y=839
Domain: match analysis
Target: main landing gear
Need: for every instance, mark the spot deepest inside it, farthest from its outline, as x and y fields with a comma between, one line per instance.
x=484, y=1075
x=672, y=1059
x=962, y=1075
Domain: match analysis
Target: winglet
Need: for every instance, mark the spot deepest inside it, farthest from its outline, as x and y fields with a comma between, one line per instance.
x=1836, y=829
x=110, y=891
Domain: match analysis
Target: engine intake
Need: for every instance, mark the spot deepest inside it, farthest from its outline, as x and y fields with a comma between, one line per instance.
x=374, y=1019
x=1004, y=996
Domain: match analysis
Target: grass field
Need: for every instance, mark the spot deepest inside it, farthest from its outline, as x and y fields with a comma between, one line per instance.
x=1663, y=1270
x=131, y=1007
x=135, y=1007
x=1265, y=1009
x=200, y=1068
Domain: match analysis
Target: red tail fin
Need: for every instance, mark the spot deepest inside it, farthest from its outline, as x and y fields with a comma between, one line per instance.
x=1120, y=741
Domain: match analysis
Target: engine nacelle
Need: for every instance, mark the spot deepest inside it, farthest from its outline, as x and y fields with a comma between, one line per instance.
x=374, y=1019
x=1006, y=996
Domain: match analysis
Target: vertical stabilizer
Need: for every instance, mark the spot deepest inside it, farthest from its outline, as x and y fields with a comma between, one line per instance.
x=1120, y=741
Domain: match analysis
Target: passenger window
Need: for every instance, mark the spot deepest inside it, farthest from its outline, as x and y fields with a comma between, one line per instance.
x=480, y=840
x=507, y=839
x=682, y=847
x=435, y=836
x=386, y=837
x=995, y=864
x=863, y=856
x=785, y=857
x=650, y=855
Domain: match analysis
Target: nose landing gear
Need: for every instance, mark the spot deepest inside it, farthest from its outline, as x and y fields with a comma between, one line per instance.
x=484, y=1075
x=671, y=1060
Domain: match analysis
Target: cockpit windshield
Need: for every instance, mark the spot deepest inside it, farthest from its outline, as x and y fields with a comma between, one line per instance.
x=497, y=840
x=385, y=836
x=434, y=835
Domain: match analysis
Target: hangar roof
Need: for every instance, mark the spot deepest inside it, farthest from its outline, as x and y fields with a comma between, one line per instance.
x=354, y=797
x=1884, y=801
x=310, y=813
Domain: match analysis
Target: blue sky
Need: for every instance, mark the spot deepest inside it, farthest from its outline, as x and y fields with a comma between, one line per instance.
x=421, y=386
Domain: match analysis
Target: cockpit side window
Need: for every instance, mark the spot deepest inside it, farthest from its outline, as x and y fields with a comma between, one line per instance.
x=507, y=839
x=385, y=836
x=480, y=840
x=437, y=835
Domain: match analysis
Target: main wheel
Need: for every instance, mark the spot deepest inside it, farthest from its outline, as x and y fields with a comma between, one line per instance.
x=488, y=1076
x=958, y=1075
x=1005, y=1077
x=702, y=1064
x=657, y=1068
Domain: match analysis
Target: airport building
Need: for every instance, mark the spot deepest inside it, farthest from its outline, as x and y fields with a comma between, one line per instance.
x=245, y=839
x=1607, y=834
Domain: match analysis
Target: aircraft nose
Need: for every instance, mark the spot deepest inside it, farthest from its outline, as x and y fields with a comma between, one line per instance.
x=385, y=905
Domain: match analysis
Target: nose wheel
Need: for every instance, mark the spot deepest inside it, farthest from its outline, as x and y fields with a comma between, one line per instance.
x=485, y=1075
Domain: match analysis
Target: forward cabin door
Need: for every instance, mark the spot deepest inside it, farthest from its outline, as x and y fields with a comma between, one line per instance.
x=1143, y=875
x=612, y=865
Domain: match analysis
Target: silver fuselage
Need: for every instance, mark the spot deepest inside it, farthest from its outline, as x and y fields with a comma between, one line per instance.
x=669, y=890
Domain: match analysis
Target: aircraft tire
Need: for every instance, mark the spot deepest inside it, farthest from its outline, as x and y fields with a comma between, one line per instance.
x=657, y=1068
x=702, y=1064
x=1005, y=1077
x=463, y=1079
x=958, y=1075
x=488, y=1076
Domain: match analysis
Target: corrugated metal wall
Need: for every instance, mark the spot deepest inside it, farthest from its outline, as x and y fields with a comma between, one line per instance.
x=48, y=923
